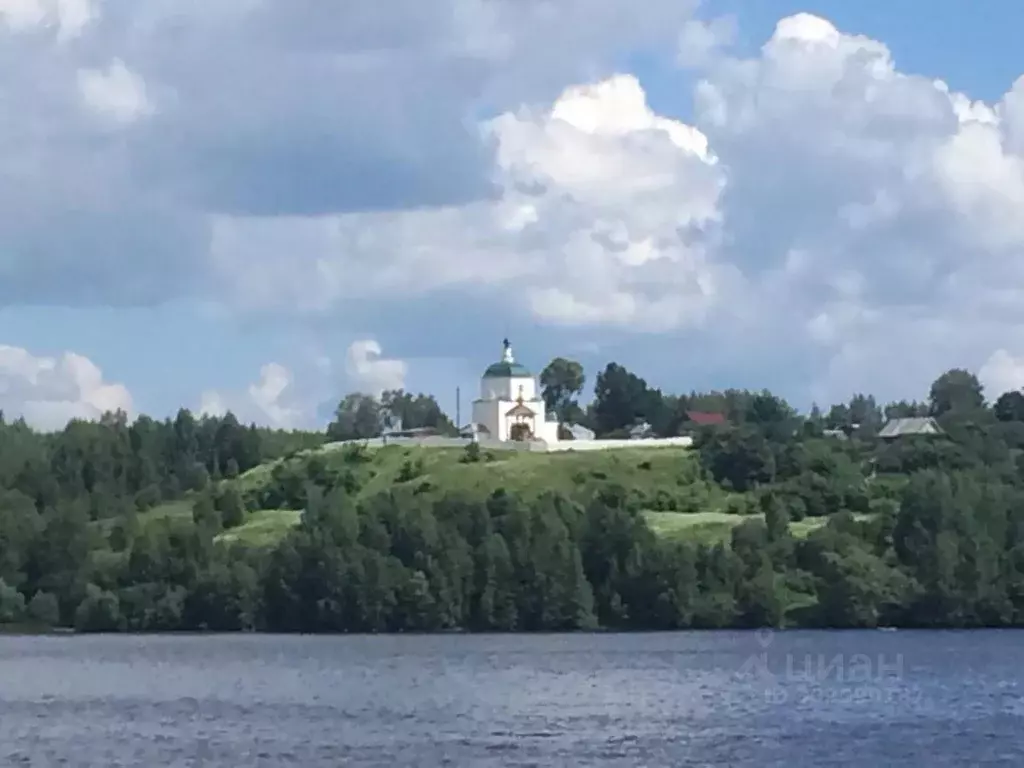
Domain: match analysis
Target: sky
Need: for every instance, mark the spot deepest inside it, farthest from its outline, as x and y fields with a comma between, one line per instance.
x=260, y=205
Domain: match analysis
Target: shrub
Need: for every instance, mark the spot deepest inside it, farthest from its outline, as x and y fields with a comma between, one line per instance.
x=43, y=608
x=12, y=604
x=231, y=507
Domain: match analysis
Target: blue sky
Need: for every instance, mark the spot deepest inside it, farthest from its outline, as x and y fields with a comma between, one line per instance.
x=263, y=208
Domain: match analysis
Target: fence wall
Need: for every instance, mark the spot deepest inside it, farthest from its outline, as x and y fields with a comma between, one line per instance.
x=538, y=446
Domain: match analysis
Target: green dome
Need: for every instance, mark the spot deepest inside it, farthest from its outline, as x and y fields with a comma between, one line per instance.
x=505, y=370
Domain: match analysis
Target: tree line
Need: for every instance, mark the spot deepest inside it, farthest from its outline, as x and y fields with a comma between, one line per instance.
x=916, y=531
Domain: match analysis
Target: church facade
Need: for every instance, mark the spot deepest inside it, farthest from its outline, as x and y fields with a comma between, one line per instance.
x=510, y=406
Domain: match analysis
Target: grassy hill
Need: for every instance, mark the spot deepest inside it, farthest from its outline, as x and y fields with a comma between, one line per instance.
x=666, y=482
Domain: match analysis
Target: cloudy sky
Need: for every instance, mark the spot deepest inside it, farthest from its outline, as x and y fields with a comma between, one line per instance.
x=262, y=204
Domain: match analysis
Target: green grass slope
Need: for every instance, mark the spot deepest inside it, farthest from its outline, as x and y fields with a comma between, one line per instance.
x=666, y=482
x=659, y=478
x=714, y=527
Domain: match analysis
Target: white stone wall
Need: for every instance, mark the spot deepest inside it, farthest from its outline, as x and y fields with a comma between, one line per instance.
x=606, y=445
x=508, y=389
x=508, y=445
x=547, y=430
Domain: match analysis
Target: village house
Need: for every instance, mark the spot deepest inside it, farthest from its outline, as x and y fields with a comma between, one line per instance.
x=917, y=425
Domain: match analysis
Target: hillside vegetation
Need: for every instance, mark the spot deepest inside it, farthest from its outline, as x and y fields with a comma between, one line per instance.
x=662, y=481
x=773, y=518
x=667, y=484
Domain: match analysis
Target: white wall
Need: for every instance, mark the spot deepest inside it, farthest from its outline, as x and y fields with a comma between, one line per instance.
x=605, y=445
x=508, y=389
x=540, y=447
x=547, y=430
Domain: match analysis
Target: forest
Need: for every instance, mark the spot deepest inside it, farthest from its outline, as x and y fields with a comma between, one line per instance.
x=773, y=518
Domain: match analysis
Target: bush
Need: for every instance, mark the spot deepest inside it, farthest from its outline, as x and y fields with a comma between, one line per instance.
x=738, y=505
x=148, y=497
x=12, y=604
x=410, y=470
x=43, y=608
x=123, y=533
x=99, y=611
x=205, y=515
x=231, y=507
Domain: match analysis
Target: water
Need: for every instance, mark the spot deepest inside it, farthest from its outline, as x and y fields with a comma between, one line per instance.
x=721, y=698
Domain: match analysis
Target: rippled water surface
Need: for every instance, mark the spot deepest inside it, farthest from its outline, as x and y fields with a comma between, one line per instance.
x=718, y=698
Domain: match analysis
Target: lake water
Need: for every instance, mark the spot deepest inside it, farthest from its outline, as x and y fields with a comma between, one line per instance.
x=713, y=698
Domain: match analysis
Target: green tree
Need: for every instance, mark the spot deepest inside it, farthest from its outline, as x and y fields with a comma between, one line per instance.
x=956, y=391
x=357, y=417
x=561, y=383
x=621, y=399
x=415, y=411
x=230, y=506
x=205, y=514
x=1010, y=406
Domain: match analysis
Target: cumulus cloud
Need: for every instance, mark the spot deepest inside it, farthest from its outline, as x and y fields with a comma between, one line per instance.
x=271, y=400
x=1002, y=372
x=49, y=391
x=371, y=373
x=701, y=41
x=822, y=205
x=281, y=398
x=260, y=109
x=823, y=211
x=116, y=93
x=605, y=215
x=67, y=17
x=869, y=210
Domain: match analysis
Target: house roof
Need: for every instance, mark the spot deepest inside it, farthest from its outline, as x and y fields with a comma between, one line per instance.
x=705, y=418
x=520, y=410
x=917, y=425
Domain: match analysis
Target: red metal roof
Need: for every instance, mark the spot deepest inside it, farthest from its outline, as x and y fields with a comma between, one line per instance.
x=704, y=418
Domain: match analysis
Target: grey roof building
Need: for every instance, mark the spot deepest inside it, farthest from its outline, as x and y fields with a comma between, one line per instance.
x=918, y=425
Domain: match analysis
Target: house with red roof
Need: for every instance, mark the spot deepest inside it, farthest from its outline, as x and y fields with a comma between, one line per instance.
x=696, y=420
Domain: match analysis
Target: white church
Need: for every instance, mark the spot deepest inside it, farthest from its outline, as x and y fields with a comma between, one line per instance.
x=510, y=407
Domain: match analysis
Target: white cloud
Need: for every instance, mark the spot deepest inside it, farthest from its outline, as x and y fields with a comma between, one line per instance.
x=69, y=17
x=1002, y=372
x=116, y=92
x=371, y=373
x=822, y=207
x=605, y=215
x=700, y=42
x=49, y=391
x=271, y=400
x=267, y=109
x=280, y=398
x=899, y=195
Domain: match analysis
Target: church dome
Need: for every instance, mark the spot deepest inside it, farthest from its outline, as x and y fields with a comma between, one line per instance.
x=507, y=368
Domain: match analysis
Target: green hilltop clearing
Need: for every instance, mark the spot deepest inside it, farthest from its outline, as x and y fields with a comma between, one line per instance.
x=667, y=483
